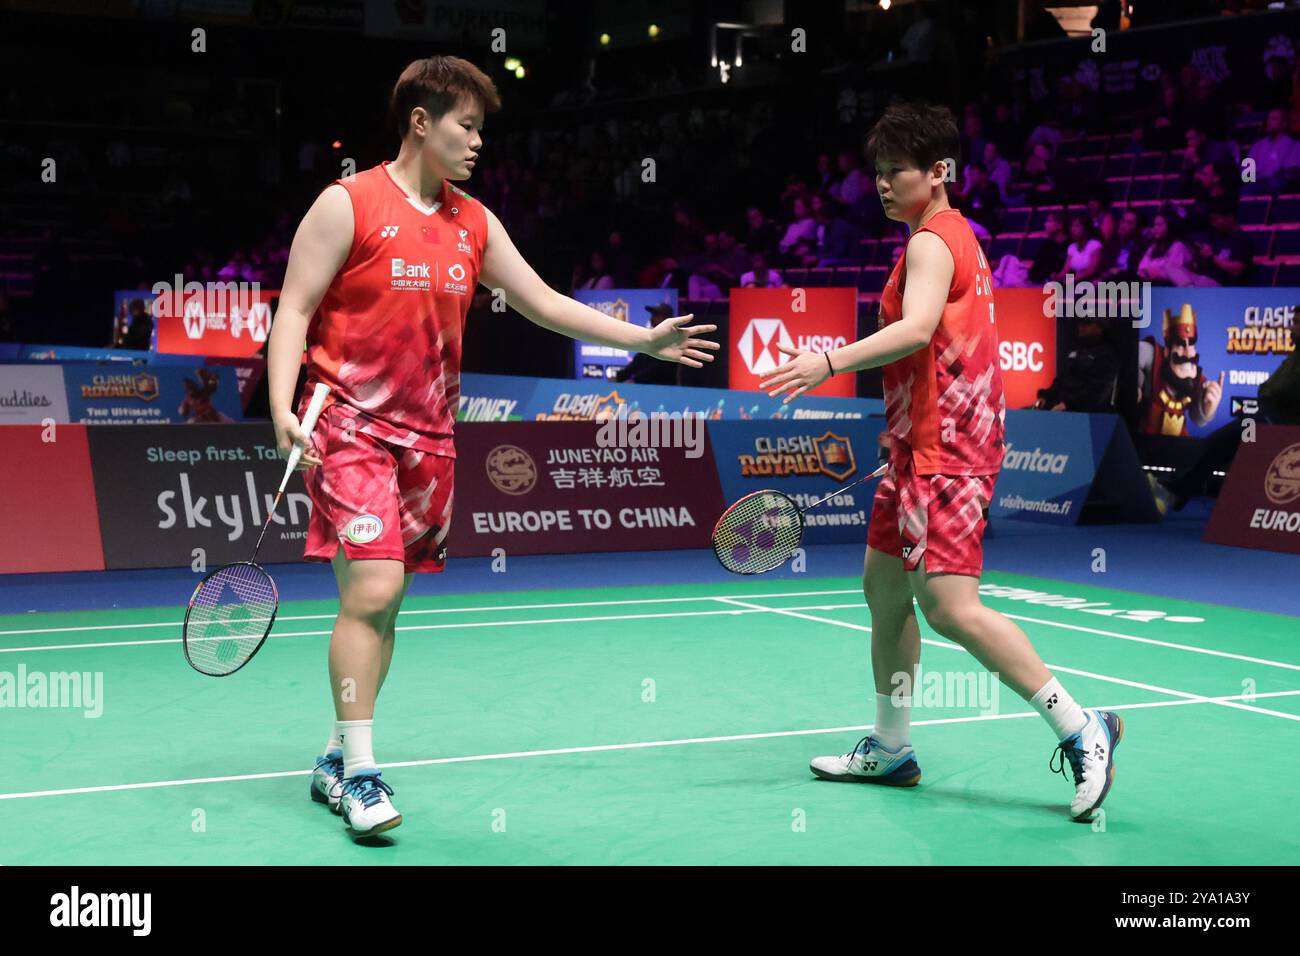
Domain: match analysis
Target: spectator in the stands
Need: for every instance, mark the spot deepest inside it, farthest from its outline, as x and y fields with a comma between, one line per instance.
x=973, y=140
x=593, y=274
x=688, y=232
x=1222, y=252
x=760, y=275
x=999, y=170
x=139, y=329
x=1122, y=245
x=760, y=234
x=1201, y=149
x=1161, y=129
x=1050, y=257
x=851, y=184
x=1276, y=157
x=619, y=261
x=1083, y=255
x=1167, y=260
x=835, y=241
x=1004, y=132
x=1087, y=375
x=801, y=233
x=825, y=173
x=1209, y=186
x=978, y=199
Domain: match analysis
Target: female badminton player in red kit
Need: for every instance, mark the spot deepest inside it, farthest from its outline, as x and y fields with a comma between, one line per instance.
x=937, y=347
x=380, y=276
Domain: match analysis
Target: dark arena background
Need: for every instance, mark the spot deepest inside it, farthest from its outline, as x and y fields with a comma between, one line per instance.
x=586, y=683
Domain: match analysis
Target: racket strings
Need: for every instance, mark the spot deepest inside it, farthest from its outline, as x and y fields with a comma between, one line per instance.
x=230, y=614
x=758, y=533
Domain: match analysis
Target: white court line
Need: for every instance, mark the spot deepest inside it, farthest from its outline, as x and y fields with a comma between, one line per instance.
x=1265, y=662
x=439, y=627
x=444, y=610
x=1064, y=670
x=600, y=748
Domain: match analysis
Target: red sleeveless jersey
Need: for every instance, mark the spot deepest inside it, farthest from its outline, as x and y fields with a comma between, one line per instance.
x=387, y=334
x=944, y=403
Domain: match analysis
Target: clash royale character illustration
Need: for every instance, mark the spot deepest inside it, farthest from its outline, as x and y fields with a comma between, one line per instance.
x=1171, y=384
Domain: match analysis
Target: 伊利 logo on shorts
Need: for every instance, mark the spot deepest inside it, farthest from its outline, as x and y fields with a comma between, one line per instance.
x=363, y=529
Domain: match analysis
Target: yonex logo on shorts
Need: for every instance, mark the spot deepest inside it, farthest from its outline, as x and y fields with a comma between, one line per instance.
x=363, y=529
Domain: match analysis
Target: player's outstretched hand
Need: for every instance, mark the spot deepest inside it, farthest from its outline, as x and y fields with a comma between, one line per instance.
x=804, y=371
x=289, y=433
x=672, y=340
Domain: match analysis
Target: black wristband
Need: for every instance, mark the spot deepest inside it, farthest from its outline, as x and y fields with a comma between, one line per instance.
x=828, y=362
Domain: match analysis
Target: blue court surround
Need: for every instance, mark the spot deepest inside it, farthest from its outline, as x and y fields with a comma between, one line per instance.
x=1167, y=559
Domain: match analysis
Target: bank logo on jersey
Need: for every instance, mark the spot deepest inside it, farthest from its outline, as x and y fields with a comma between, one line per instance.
x=410, y=275
x=456, y=283
x=388, y=231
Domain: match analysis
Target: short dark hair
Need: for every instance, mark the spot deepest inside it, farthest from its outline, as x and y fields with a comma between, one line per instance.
x=438, y=83
x=920, y=133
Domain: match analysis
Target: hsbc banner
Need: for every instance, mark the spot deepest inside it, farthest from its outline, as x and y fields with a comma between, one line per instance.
x=560, y=487
x=1259, y=506
x=152, y=395
x=485, y=398
x=229, y=319
x=807, y=461
x=164, y=492
x=30, y=394
x=816, y=320
x=627, y=305
x=1026, y=343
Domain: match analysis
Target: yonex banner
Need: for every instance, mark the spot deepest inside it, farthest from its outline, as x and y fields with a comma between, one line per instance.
x=169, y=497
x=1259, y=506
x=807, y=461
x=1055, y=462
x=511, y=398
x=627, y=305
x=815, y=320
x=561, y=487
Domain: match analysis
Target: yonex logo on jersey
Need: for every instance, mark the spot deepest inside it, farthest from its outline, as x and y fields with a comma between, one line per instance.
x=388, y=231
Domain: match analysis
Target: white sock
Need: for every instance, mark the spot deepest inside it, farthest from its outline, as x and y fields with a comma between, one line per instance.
x=1058, y=708
x=893, y=721
x=357, y=755
x=336, y=742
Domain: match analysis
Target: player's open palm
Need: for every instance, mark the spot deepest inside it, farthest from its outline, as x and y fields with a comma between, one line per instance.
x=803, y=371
x=672, y=340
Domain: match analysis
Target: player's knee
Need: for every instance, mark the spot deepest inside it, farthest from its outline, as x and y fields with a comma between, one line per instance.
x=948, y=619
x=885, y=599
x=373, y=602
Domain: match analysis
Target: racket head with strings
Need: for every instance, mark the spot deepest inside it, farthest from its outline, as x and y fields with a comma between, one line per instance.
x=758, y=533
x=229, y=617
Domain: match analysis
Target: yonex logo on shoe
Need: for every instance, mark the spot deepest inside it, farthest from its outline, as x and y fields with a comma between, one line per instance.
x=73, y=909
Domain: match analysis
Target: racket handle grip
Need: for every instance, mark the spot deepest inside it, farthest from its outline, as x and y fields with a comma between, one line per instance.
x=309, y=420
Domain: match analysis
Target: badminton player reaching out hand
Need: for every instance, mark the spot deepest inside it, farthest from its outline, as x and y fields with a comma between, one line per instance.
x=937, y=347
x=380, y=276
